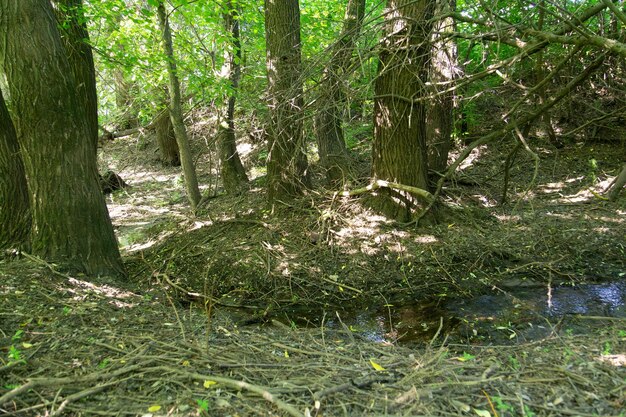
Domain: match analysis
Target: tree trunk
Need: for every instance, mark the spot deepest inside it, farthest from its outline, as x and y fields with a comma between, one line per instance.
x=539, y=73
x=70, y=221
x=73, y=29
x=286, y=163
x=126, y=112
x=233, y=173
x=443, y=70
x=399, y=147
x=166, y=140
x=14, y=206
x=176, y=113
x=619, y=183
x=126, y=115
x=331, y=101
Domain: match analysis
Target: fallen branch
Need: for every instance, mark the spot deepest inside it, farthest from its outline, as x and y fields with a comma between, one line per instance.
x=232, y=383
x=510, y=127
x=617, y=185
x=419, y=192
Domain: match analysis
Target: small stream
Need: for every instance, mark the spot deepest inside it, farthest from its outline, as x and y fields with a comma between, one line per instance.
x=502, y=317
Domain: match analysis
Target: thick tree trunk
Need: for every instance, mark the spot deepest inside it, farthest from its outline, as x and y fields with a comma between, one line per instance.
x=166, y=140
x=176, y=113
x=443, y=69
x=14, y=207
x=71, y=224
x=233, y=173
x=73, y=29
x=399, y=147
x=331, y=101
x=287, y=164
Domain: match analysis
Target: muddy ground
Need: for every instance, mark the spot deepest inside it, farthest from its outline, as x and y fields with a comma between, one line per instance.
x=324, y=307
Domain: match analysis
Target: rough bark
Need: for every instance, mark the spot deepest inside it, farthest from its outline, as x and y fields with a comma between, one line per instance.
x=70, y=221
x=176, y=113
x=287, y=166
x=399, y=147
x=331, y=101
x=166, y=139
x=233, y=173
x=14, y=206
x=443, y=70
x=73, y=29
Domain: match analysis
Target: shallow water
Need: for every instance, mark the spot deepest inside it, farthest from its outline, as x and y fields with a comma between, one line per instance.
x=511, y=316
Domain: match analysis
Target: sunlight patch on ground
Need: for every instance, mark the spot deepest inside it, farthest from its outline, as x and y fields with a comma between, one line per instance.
x=615, y=360
x=135, y=247
x=83, y=289
x=473, y=156
x=551, y=187
x=581, y=196
x=426, y=239
x=564, y=216
x=139, y=177
x=244, y=149
x=618, y=219
x=200, y=224
x=508, y=217
x=484, y=200
x=128, y=210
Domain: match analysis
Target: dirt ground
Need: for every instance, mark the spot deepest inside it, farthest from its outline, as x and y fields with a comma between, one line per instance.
x=227, y=313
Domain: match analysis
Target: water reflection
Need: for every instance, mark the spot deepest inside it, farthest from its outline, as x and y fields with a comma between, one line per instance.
x=523, y=313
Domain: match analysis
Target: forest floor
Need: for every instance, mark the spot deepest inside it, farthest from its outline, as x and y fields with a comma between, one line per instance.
x=324, y=307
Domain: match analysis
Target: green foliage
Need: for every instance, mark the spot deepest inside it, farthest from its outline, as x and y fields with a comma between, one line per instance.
x=501, y=405
x=15, y=355
x=203, y=405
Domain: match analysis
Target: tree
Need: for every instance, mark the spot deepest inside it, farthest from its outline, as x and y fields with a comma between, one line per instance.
x=73, y=30
x=166, y=139
x=286, y=163
x=443, y=71
x=233, y=173
x=176, y=112
x=70, y=221
x=399, y=147
x=14, y=206
x=328, y=119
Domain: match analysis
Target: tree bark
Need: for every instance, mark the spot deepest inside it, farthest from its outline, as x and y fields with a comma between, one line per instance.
x=399, y=147
x=166, y=140
x=70, y=221
x=619, y=183
x=331, y=145
x=73, y=29
x=443, y=70
x=233, y=173
x=176, y=113
x=287, y=166
x=14, y=206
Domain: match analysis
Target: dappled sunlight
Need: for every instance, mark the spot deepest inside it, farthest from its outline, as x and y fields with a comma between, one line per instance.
x=484, y=200
x=504, y=218
x=617, y=360
x=426, y=239
x=245, y=149
x=473, y=157
x=85, y=291
x=127, y=211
